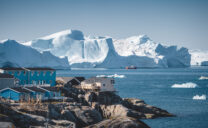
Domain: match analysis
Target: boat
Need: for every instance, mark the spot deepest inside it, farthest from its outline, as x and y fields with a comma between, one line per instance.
x=131, y=67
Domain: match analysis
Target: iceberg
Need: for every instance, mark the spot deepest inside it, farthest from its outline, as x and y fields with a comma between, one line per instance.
x=165, y=56
x=203, y=78
x=204, y=63
x=14, y=54
x=197, y=97
x=199, y=57
x=112, y=76
x=185, y=85
x=106, y=52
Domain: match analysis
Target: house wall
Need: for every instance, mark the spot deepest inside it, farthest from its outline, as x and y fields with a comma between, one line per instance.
x=53, y=94
x=34, y=77
x=21, y=75
x=6, y=82
x=42, y=77
x=104, y=84
x=89, y=85
x=35, y=94
x=10, y=94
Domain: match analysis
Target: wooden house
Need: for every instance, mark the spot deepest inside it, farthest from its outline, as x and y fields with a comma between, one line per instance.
x=70, y=81
x=33, y=76
x=98, y=84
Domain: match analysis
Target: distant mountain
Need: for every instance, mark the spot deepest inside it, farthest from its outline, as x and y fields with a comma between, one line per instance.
x=105, y=52
x=14, y=54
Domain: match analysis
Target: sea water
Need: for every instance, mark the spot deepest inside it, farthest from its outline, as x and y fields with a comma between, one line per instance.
x=171, y=89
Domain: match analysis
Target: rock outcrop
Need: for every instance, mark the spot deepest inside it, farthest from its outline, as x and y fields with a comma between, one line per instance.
x=120, y=122
x=148, y=110
x=85, y=109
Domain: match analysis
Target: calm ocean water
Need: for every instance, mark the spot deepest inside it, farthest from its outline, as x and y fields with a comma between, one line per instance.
x=154, y=86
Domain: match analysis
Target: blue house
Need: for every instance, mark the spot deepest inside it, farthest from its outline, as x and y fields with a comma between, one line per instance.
x=36, y=92
x=34, y=76
x=52, y=92
x=15, y=93
x=30, y=92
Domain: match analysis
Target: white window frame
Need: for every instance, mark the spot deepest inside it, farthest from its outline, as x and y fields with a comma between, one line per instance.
x=32, y=73
x=44, y=73
x=51, y=73
x=38, y=73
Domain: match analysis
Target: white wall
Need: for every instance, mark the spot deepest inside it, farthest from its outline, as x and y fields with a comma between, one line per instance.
x=105, y=84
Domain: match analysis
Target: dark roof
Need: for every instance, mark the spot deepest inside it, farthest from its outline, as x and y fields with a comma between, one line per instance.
x=19, y=68
x=4, y=75
x=43, y=68
x=53, y=89
x=80, y=78
x=36, y=89
x=21, y=89
x=64, y=79
x=13, y=68
x=74, y=82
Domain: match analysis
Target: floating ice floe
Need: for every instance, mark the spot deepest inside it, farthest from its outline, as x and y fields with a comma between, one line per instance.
x=112, y=76
x=202, y=97
x=185, y=85
x=203, y=78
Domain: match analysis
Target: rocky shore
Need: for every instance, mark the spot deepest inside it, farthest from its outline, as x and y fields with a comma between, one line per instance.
x=82, y=109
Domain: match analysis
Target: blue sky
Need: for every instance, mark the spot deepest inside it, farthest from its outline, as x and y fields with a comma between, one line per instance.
x=179, y=22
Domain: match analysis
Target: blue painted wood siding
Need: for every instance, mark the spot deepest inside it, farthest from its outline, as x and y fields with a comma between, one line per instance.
x=10, y=94
x=40, y=77
x=34, y=77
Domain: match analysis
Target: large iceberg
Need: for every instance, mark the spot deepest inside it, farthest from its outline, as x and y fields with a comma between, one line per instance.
x=105, y=52
x=163, y=56
x=14, y=54
x=198, y=57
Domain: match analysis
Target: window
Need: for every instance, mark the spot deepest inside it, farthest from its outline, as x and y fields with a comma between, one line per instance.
x=51, y=73
x=44, y=81
x=24, y=72
x=44, y=73
x=112, y=82
x=16, y=82
x=18, y=72
x=50, y=81
x=32, y=73
x=38, y=73
x=12, y=72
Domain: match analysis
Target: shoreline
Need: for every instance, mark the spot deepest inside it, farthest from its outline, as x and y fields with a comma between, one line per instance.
x=85, y=109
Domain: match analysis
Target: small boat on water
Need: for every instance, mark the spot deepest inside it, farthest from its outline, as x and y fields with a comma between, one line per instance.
x=131, y=67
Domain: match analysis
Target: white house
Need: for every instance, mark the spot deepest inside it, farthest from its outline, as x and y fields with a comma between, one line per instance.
x=100, y=84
